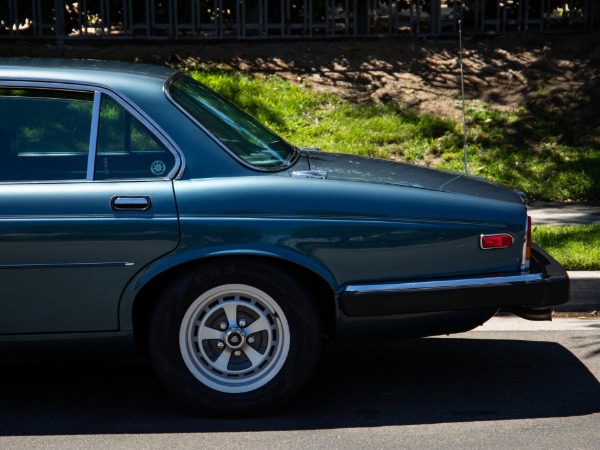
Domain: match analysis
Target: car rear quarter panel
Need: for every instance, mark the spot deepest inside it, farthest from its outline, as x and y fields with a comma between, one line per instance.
x=350, y=232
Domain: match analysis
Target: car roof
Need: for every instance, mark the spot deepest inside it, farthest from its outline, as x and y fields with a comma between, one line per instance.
x=116, y=75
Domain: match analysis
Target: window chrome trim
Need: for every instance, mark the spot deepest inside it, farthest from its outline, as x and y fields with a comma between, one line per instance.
x=220, y=143
x=122, y=100
x=91, y=165
x=445, y=284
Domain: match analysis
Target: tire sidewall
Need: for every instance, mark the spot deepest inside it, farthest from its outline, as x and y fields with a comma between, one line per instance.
x=291, y=296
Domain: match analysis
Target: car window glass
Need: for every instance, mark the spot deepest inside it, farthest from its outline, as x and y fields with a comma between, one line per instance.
x=247, y=138
x=44, y=134
x=126, y=148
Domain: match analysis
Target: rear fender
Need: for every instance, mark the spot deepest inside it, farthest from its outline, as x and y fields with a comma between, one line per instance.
x=171, y=263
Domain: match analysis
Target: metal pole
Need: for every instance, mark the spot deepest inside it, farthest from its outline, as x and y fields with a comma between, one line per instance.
x=60, y=22
x=462, y=87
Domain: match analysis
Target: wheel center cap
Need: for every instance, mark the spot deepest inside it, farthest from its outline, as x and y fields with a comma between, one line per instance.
x=235, y=338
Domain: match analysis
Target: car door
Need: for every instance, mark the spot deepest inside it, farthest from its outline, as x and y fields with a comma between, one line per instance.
x=86, y=201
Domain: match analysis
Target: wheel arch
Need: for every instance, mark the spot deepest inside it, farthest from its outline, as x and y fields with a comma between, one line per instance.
x=145, y=299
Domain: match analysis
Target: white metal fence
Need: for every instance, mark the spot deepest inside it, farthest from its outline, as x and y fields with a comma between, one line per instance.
x=280, y=19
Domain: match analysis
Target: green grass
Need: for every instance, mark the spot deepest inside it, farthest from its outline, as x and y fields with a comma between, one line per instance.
x=549, y=156
x=323, y=120
x=575, y=247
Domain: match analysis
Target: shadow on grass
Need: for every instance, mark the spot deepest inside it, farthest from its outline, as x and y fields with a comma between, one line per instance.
x=423, y=381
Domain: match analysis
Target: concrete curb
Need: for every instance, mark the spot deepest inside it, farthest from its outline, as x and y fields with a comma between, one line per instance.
x=585, y=286
x=585, y=292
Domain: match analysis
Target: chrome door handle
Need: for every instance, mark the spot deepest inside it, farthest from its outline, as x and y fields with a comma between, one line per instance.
x=130, y=202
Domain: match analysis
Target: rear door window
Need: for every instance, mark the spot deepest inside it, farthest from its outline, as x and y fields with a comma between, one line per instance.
x=126, y=148
x=44, y=134
x=47, y=135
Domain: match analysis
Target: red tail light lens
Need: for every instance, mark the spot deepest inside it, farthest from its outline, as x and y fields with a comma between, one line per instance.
x=489, y=241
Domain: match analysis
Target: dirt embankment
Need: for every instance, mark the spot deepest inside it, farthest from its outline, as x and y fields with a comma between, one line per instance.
x=547, y=72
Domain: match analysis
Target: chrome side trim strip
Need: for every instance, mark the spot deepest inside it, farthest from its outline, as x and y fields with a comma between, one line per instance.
x=444, y=284
x=64, y=265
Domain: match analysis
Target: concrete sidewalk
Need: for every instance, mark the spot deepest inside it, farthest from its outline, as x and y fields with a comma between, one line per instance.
x=564, y=213
x=585, y=286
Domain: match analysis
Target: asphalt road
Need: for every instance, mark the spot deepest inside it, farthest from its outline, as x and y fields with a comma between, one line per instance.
x=511, y=384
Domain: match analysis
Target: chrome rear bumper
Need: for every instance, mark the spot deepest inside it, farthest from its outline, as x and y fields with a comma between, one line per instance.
x=548, y=286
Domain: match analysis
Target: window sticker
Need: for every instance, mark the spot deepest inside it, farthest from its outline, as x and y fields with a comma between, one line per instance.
x=158, y=168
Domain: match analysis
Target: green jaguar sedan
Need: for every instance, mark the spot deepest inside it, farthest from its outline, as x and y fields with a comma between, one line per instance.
x=142, y=214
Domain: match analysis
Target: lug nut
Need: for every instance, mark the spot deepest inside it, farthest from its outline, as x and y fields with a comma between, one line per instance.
x=251, y=340
x=223, y=326
x=242, y=323
x=220, y=345
x=237, y=353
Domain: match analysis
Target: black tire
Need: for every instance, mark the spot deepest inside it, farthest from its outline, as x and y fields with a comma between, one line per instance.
x=234, y=338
